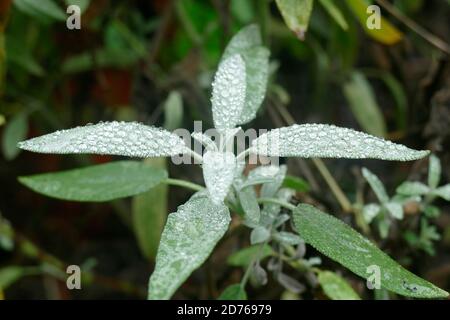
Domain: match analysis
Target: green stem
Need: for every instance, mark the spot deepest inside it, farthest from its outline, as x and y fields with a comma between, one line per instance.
x=278, y=202
x=184, y=184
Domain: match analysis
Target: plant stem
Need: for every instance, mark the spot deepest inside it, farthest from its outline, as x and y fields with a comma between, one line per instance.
x=337, y=191
x=184, y=184
x=278, y=202
x=428, y=36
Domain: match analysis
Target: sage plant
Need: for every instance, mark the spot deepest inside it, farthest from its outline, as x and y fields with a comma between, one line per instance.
x=192, y=232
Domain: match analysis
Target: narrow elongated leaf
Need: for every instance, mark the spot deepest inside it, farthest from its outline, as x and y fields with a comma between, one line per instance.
x=336, y=287
x=443, y=192
x=247, y=42
x=296, y=183
x=234, y=292
x=408, y=188
x=434, y=171
x=325, y=141
x=296, y=14
x=334, y=11
x=363, y=104
x=116, y=138
x=387, y=33
x=218, y=173
x=97, y=183
x=15, y=131
x=249, y=203
x=188, y=239
x=228, y=93
x=150, y=212
x=48, y=8
x=341, y=243
x=376, y=185
x=11, y=274
x=244, y=257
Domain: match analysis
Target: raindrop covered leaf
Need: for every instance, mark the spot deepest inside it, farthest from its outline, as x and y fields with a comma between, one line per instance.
x=248, y=44
x=218, y=172
x=341, y=243
x=115, y=138
x=97, y=183
x=327, y=141
x=188, y=239
x=228, y=93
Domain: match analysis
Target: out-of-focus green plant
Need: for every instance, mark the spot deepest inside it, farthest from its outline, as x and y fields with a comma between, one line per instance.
x=412, y=194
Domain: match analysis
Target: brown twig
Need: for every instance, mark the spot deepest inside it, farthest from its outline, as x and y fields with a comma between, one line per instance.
x=421, y=31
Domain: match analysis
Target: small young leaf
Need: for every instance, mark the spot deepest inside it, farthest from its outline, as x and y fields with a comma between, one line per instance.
x=97, y=183
x=15, y=131
x=233, y=292
x=370, y=211
x=434, y=171
x=325, y=141
x=259, y=235
x=443, y=192
x=341, y=243
x=260, y=175
x=376, y=185
x=412, y=189
x=288, y=238
x=363, y=104
x=296, y=14
x=336, y=287
x=395, y=209
x=244, y=257
x=115, y=138
x=269, y=189
x=188, y=239
x=290, y=283
x=247, y=43
x=218, y=172
x=228, y=93
x=149, y=212
x=248, y=200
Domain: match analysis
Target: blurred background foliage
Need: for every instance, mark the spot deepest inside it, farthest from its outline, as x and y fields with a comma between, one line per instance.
x=153, y=61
